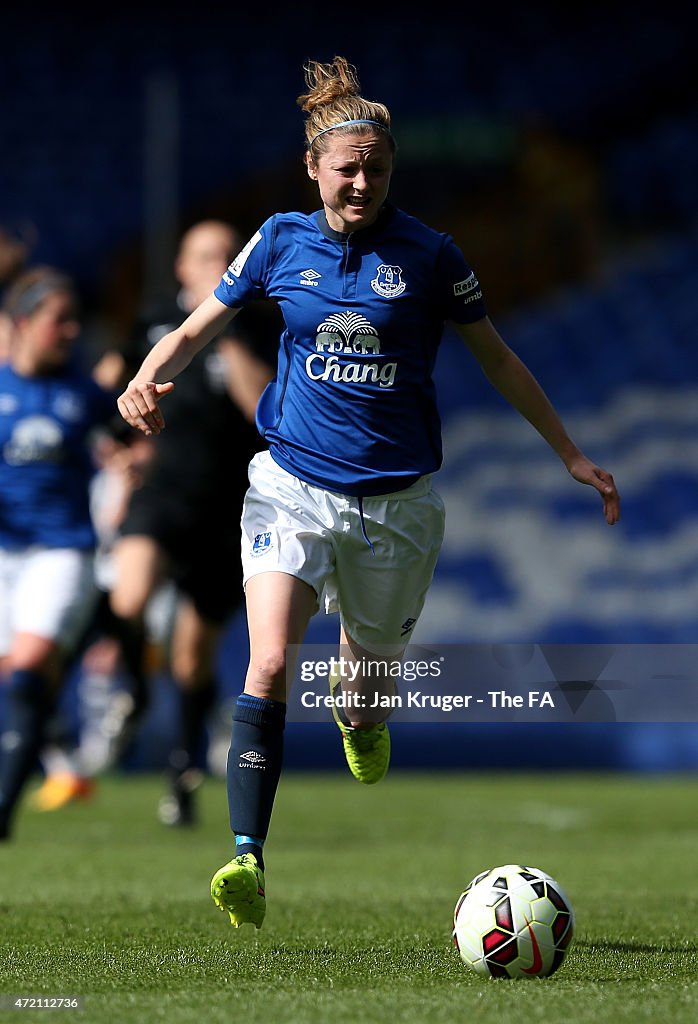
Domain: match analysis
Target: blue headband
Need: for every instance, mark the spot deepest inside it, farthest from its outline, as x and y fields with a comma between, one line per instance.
x=30, y=300
x=345, y=124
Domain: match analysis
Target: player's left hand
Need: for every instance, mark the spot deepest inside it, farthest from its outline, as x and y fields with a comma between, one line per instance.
x=583, y=470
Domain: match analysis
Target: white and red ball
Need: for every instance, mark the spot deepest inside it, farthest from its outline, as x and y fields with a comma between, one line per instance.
x=513, y=921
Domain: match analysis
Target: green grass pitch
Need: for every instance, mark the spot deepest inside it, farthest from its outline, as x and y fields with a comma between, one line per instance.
x=100, y=901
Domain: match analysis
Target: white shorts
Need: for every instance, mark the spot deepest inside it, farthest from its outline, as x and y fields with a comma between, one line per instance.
x=322, y=538
x=49, y=592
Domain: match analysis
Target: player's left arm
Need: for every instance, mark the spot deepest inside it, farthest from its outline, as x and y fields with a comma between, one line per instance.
x=512, y=378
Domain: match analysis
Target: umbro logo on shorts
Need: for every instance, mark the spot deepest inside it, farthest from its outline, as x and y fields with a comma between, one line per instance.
x=407, y=626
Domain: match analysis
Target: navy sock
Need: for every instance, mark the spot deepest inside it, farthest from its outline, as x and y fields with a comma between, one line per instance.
x=26, y=709
x=130, y=634
x=194, y=707
x=254, y=766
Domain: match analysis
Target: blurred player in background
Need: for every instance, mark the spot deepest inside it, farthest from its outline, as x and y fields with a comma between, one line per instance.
x=182, y=524
x=49, y=410
x=342, y=503
x=106, y=673
x=14, y=254
x=111, y=681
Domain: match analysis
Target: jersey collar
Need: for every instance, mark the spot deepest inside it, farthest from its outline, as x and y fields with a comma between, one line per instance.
x=385, y=215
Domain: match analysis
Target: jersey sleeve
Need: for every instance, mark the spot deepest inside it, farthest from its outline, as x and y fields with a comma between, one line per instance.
x=459, y=288
x=244, y=280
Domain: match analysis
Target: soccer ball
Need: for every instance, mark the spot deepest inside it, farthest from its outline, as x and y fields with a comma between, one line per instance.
x=513, y=922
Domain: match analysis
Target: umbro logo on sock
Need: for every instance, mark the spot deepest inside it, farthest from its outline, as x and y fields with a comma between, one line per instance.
x=252, y=760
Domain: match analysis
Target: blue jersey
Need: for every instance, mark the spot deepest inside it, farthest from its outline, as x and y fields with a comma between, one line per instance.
x=45, y=460
x=353, y=405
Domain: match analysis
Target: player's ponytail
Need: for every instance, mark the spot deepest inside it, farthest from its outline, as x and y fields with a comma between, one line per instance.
x=334, y=101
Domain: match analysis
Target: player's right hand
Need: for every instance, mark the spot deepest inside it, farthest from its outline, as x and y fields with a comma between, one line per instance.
x=139, y=405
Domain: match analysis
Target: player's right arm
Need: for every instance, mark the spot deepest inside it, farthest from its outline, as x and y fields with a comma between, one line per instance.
x=139, y=402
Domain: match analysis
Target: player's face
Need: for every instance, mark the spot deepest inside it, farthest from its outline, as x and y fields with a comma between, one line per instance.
x=203, y=257
x=353, y=176
x=50, y=331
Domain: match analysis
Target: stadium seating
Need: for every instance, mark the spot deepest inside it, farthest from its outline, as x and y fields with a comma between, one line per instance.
x=527, y=555
x=619, y=361
x=74, y=130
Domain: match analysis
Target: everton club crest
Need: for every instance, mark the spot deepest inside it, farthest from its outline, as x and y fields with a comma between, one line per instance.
x=388, y=281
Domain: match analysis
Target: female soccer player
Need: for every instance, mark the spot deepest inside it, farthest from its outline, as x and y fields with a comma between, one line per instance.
x=342, y=504
x=48, y=409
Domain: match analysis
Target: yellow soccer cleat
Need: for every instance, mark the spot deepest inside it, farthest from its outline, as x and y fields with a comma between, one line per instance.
x=238, y=887
x=367, y=751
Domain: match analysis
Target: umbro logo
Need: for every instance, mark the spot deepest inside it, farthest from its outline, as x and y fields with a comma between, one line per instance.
x=251, y=759
x=310, y=277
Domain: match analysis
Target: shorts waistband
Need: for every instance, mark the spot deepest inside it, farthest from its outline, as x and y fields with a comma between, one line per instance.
x=415, y=490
